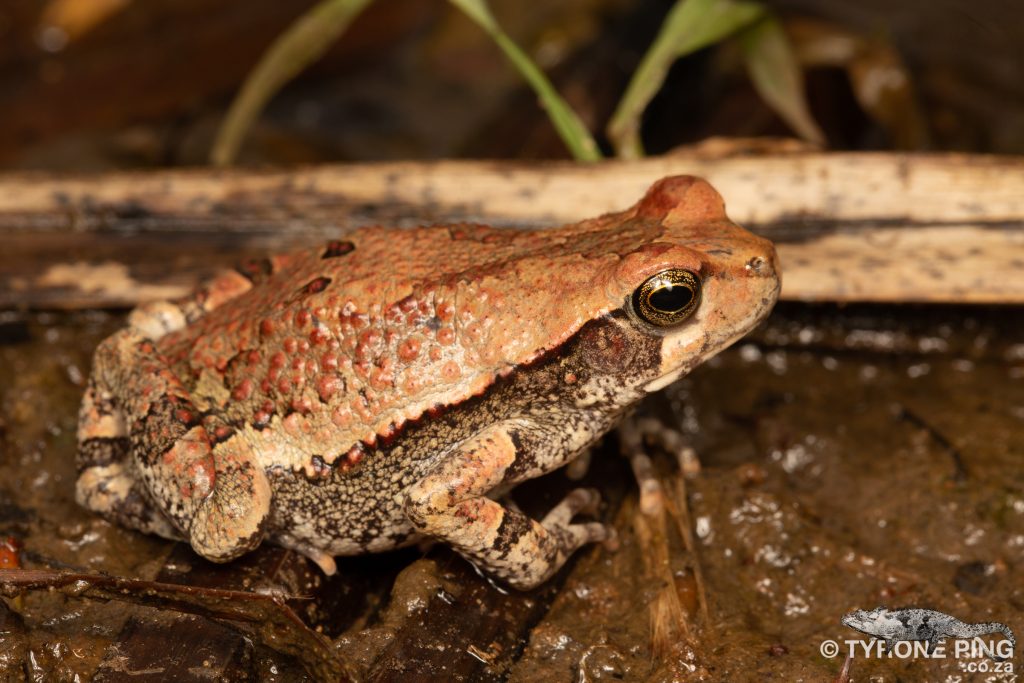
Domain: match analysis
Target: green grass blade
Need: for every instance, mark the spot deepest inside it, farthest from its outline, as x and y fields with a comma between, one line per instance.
x=300, y=45
x=689, y=26
x=778, y=78
x=572, y=131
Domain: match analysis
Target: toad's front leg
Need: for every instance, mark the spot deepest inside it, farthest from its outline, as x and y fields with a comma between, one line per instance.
x=450, y=503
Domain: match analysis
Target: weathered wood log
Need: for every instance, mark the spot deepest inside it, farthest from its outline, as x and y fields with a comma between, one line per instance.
x=849, y=227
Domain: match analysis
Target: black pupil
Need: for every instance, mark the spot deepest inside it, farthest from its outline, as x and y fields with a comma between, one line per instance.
x=670, y=299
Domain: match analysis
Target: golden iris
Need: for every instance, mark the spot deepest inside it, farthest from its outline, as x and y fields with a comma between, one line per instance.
x=668, y=298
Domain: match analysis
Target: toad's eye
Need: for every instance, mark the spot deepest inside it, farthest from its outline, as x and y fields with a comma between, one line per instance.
x=668, y=298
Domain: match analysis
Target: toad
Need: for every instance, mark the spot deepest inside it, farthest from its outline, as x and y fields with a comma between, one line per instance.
x=373, y=391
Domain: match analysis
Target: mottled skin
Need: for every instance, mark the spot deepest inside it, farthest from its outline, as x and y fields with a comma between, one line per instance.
x=359, y=396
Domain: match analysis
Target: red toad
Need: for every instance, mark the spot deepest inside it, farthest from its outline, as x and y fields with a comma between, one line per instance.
x=371, y=392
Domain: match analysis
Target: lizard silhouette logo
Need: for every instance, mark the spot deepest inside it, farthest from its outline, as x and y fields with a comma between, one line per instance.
x=913, y=625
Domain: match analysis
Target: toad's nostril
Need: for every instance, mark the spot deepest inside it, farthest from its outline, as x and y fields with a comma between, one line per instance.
x=756, y=264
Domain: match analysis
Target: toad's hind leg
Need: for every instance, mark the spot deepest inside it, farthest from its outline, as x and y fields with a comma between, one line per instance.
x=450, y=503
x=138, y=424
x=107, y=482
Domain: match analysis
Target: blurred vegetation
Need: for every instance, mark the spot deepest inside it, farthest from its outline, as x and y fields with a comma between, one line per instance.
x=106, y=84
x=690, y=26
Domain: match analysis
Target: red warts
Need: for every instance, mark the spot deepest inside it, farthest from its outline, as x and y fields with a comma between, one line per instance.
x=474, y=332
x=262, y=417
x=253, y=357
x=291, y=345
x=336, y=248
x=445, y=311
x=302, y=405
x=342, y=416
x=352, y=457
x=200, y=480
x=278, y=360
x=393, y=315
x=319, y=335
x=255, y=270
x=295, y=425
x=361, y=407
x=302, y=317
x=318, y=468
x=570, y=378
x=328, y=386
x=315, y=286
x=382, y=378
x=445, y=336
x=408, y=304
x=450, y=371
x=409, y=349
x=368, y=343
x=405, y=310
x=329, y=362
x=412, y=384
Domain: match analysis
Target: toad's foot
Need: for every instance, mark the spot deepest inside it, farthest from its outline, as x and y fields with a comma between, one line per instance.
x=450, y=503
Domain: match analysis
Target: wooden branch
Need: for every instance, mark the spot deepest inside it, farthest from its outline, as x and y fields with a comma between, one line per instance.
x=849, y=227
x=261, y=617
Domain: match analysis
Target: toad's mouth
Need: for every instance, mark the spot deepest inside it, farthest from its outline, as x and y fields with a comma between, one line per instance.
x=681, y=356
x=659, y=383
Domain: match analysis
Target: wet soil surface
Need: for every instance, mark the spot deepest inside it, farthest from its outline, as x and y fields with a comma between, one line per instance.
x=845, y=459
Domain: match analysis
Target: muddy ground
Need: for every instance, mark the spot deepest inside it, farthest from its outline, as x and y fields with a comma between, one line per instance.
x=846, y=458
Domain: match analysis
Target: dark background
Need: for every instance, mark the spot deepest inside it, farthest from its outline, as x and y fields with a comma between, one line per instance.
x=146, y=83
